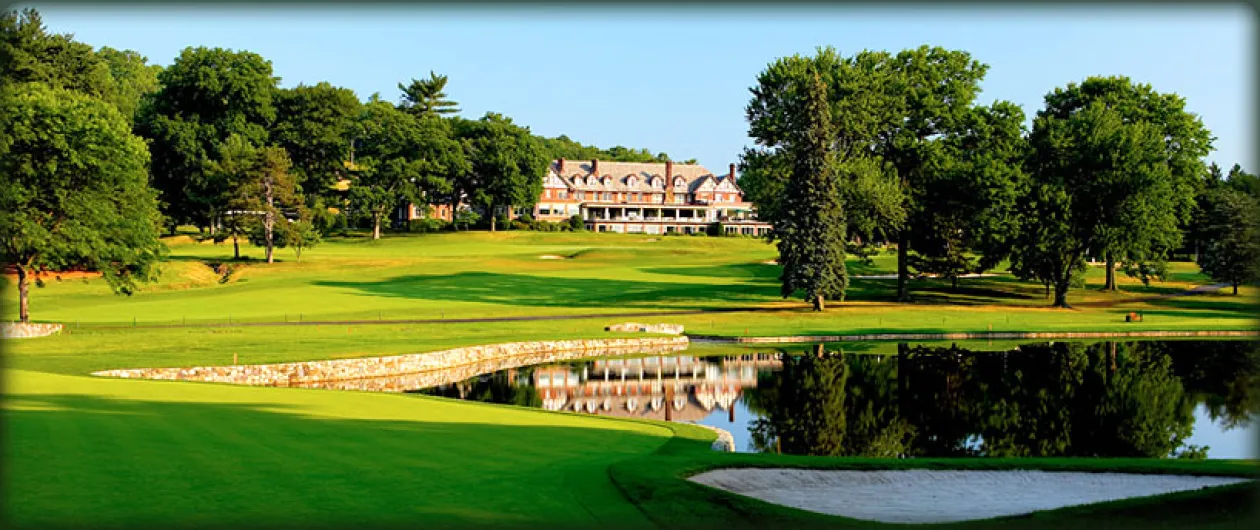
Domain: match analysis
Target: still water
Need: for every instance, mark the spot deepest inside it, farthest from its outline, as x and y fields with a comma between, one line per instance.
x=1160, y=399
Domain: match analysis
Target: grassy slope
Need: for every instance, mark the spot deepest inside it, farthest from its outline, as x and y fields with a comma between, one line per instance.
x=81, y=449
x=85, y=451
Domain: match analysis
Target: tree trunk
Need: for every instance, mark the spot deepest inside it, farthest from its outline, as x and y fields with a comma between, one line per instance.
x=1235, y=289
x=492, y=216
x=376, y=226
x=819, y=303
x=236, y=247
x=903, y=269
x=24, y=291
x=1110, y=284
x=953, y=280
x=819, y=351
x=269, y=225
x=1061, y=290
x=1111, y=355
x=1047, y=284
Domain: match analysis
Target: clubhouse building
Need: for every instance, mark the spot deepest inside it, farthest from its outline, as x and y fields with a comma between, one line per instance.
x=645, y=197
x=635, y=198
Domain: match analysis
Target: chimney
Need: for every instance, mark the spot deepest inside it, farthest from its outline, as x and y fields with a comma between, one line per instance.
x=732, y=173
x=560, y=165
x=669, y=171
x=595, y=166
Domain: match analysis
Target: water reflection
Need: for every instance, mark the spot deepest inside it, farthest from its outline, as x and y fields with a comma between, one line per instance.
x=1041, y=399
x=671, y=388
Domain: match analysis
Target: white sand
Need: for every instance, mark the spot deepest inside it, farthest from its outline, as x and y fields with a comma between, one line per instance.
x=551, y=256
x=923, y=496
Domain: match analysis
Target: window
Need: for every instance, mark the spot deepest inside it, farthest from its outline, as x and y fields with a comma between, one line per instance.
x=544, y=211
x=563, y=194
x=634, y=197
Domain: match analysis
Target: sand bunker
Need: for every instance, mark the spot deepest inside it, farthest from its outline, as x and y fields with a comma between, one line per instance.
x=922, y=496
x=551, y=256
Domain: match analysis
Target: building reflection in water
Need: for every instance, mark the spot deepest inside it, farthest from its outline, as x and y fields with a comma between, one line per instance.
x=681, y=388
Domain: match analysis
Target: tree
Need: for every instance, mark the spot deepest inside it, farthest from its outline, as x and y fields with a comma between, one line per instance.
x=315, y=124
x=132, y=79
x=73, y=190
x=1231, y=228
x=425, y=97
x=29, y=54
x=230, y=169
x=402, y=159
x=266, y=190
x=207, y=95
x=1243, y=181
x=811, y=229
x=1143, y=240
x=465, y=217
x=1090, y=172
x=929, y=94
x=506, y=164
x=964, y=204
x=301, y=235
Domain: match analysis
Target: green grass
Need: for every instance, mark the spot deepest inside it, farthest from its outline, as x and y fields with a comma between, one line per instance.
x=94, y=452
x=82, y=450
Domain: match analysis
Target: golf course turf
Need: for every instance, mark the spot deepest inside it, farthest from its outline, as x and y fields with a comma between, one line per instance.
x=80, y=450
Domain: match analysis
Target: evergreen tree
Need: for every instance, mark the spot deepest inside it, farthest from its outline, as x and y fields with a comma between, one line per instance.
x=811, y=244
x=1231, y=231
x=425, y=97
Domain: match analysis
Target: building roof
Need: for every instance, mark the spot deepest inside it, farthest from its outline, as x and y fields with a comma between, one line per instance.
x=638, y=176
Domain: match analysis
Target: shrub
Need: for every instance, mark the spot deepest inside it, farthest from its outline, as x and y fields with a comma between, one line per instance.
x=576, y=223
x=715, y=229
x=426, y=226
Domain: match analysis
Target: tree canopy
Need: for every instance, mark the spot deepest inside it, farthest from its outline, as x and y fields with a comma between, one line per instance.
x=506, y=164
x=1091, y=173
x=315, y=124
x=207, y=95
x=74, y=189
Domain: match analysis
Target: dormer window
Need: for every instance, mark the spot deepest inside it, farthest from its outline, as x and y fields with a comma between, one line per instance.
x=632, y=181
x=607, y=181
x=679, y=182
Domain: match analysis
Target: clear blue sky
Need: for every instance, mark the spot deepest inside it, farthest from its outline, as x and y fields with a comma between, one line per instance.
x=677, y=79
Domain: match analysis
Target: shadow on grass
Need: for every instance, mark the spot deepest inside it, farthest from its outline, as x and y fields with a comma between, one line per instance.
x=753, y=272
x=90, y=461
x=541, y=291
x=1219, y=303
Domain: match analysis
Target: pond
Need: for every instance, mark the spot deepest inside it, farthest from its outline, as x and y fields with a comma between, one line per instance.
x=1148, y=398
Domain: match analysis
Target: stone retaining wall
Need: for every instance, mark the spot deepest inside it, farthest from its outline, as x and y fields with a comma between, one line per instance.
x=724, y=443
x=457, y=363
x=18, y=330
x=455, y=374
x=996, y=335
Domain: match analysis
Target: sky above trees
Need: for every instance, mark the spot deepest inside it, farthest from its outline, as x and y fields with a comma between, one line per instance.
x=677, y=80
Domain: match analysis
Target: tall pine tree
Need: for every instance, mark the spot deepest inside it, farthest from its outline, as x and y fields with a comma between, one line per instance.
x=811, y=244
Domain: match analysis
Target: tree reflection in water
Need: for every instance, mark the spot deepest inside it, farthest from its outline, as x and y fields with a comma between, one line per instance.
x=1048, y=399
